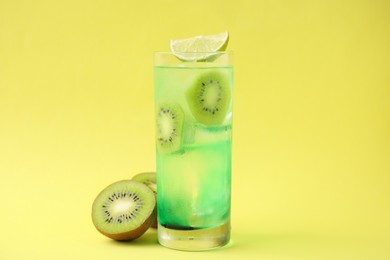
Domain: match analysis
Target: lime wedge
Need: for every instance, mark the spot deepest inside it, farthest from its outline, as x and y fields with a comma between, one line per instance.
x=199, y=47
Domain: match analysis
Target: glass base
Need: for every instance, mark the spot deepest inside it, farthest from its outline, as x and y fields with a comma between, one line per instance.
x=194, y=240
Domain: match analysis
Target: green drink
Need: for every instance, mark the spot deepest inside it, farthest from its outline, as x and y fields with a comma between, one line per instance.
x=193, y=106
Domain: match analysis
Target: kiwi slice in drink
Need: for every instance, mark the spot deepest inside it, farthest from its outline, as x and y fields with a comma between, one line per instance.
x=149, y=179
x=169, y=127
x=124, y=210
x=209, y=97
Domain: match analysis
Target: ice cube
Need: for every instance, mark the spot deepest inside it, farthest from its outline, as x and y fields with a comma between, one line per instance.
x=213, y=134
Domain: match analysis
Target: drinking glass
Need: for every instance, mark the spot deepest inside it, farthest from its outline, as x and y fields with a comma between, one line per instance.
x=193, y=112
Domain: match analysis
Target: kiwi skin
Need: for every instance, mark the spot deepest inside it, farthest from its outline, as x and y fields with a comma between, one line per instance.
x=148, y=178
x=154, y=223
x=129, y=234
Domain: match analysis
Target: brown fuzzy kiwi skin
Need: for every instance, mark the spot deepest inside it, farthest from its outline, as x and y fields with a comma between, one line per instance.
x=154, y=224
x=135, y=233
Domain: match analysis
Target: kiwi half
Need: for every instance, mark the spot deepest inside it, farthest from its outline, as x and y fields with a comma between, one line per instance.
x=209, y=97
x=149, y=179
x=169, y=126
x=124, y=210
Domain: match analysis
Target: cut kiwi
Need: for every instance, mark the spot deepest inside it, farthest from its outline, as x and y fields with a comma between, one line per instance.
x=124, y=210
x=209, y=97
x=149, y=179
x=169, y=122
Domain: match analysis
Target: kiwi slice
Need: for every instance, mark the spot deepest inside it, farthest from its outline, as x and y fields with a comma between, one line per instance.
x=169, y=122
x=209, y=97
x=149, y=179
x=124, y=210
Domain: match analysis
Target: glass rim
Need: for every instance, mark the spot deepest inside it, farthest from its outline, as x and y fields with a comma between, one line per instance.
x=168, y=58
x=193, y=52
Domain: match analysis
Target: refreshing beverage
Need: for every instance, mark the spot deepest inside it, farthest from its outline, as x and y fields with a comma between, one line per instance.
x=193, y=111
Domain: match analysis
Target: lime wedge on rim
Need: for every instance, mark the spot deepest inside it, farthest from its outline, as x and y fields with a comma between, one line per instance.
x=199, y=47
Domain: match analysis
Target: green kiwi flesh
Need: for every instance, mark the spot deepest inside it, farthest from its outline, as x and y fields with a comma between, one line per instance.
x=209, y=97
x=124, y=210
x=148, y=178
x=169, y=127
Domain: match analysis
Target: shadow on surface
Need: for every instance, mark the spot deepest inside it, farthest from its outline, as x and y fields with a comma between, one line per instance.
x=308, y=246
x=149, y=238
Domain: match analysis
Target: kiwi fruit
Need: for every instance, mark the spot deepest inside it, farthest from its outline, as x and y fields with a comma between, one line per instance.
x=149, y=179
x=169, y=127
x=124, y=210
x=209, y=97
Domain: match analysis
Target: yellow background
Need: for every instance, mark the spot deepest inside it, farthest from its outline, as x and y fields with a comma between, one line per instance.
x=311, y=159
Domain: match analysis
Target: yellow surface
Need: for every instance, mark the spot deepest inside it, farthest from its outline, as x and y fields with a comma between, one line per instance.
x=311, y=162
